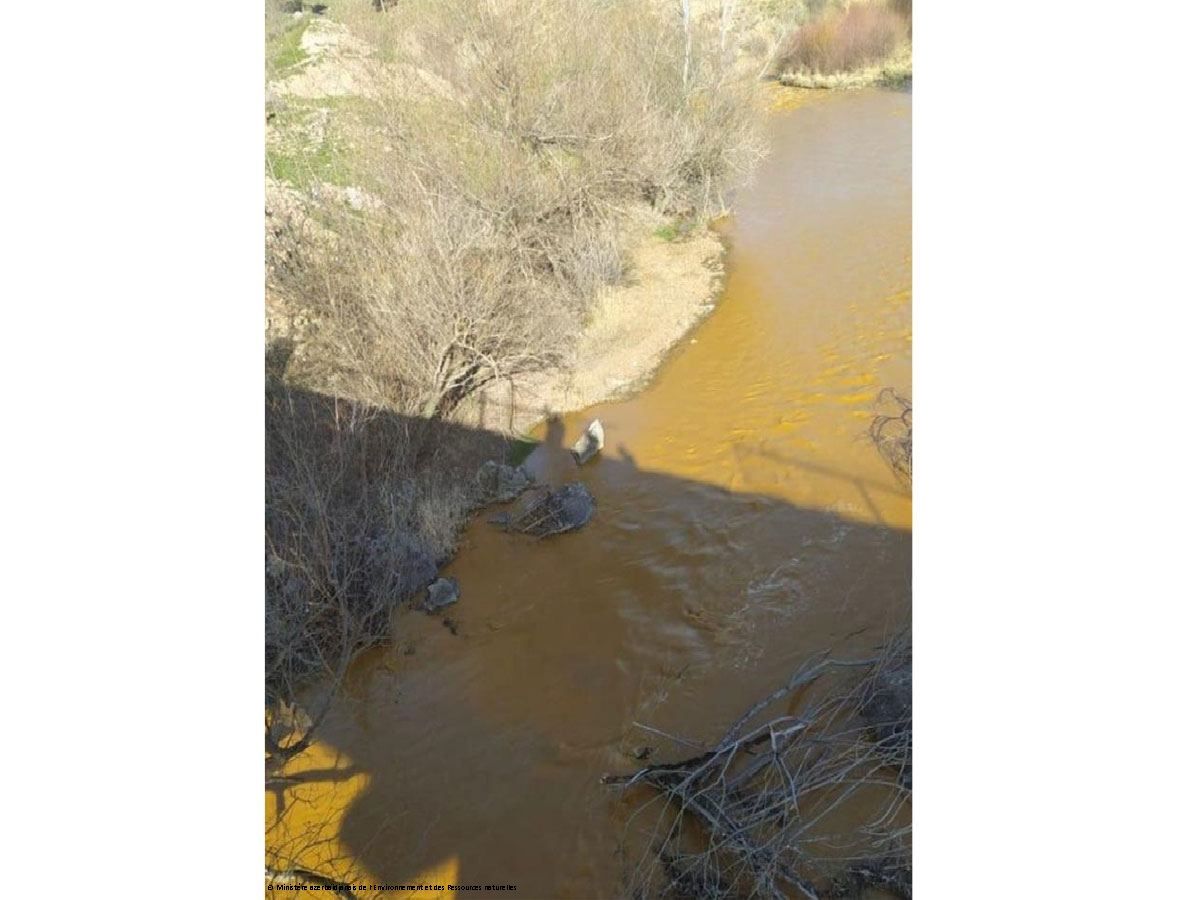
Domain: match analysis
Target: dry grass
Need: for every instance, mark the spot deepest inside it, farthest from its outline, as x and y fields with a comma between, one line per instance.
x=894, y=72
x=843, y=41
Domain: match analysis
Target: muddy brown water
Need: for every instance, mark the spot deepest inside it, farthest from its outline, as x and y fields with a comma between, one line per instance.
x=743, y=523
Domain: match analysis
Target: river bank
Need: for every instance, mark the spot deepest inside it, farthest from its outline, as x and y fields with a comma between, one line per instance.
x=744, y=522
x=672, y=283
x=323, y=73
x=596, y=211
x=894, y=72
x=450, y=267
x=462, y=198
x=672, y=279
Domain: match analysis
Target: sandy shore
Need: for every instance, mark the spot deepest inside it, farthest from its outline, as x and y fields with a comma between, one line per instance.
x=670, y=287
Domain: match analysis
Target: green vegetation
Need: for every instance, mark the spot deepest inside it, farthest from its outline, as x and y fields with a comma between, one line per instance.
x=286, y=168
x=675, y=230
x=290, y=52
x=283, y=41
x=307, y=146
x=303, y=168
x=303, y=165
x=520, y=448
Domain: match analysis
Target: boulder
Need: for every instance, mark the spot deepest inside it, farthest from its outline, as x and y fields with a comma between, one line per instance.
x=441, y=593
x=590, y=442
x=574, y=505
x=547, y=512
x=500, y=483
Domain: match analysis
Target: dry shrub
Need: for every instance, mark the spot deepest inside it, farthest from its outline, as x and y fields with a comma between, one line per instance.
x=420, y=311
x=841, y=41
x=506, y=146
x=361, y=507
x=902, y=8
x=591, y=121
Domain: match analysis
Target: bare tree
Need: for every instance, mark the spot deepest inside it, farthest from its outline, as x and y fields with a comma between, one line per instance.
x=687, y=41
x=892, y=434
x=501, y=199
x=728, y=11
x=302, y=848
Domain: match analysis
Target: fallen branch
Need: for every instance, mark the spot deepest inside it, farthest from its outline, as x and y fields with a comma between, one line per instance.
x=892, y=435
x=764, y=811
x=301, y=876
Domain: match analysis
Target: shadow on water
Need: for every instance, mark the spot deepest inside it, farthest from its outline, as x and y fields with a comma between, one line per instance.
x=477, y=751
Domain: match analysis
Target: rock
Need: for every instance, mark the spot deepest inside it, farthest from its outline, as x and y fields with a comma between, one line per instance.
x=575, y=505
x=500, y=483
x=440, y=594
x=548, y=512
x=356, y=198
x=590, y=443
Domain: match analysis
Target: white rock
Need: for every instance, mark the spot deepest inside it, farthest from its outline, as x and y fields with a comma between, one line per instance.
x=590, y=442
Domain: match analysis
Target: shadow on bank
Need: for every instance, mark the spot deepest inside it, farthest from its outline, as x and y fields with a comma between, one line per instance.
x=482, y=735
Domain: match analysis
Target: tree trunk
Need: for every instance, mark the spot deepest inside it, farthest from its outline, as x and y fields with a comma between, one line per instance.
x=687, y=41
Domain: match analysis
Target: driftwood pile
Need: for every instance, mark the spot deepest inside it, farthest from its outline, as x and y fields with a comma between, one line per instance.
x=544, y=511
x=812, y=800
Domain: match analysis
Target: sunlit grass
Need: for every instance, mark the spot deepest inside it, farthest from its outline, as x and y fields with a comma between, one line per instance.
x=284, y=50
x=896, y=72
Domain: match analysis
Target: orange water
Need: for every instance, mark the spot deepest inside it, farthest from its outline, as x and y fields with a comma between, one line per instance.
x=743, y=522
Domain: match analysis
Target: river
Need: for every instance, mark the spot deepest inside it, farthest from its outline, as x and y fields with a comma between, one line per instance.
x=744, y=521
